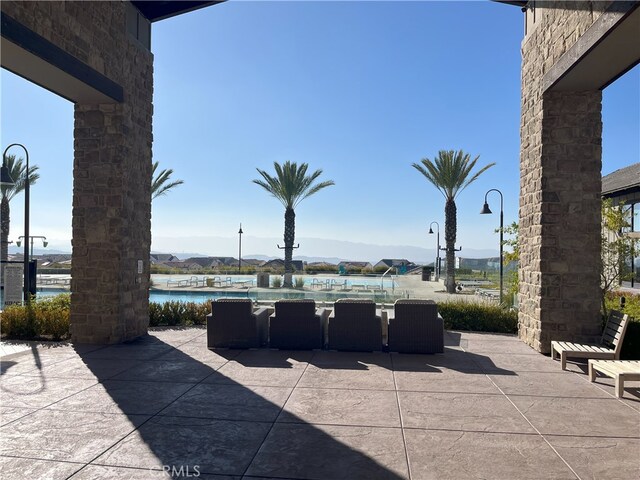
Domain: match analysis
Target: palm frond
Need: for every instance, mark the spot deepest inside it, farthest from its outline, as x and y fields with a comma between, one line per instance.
x=291, y=184
x=450, y=171
x=17, y=168
x=161, y=183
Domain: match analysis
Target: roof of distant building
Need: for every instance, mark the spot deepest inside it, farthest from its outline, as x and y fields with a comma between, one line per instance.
x=621, y=181
x=355, y=264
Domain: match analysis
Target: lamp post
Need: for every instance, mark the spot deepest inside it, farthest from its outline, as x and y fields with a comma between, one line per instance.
x=240, y=232
x=437, y=269
x=44, y=241
x=486, y=210
x=27, y=298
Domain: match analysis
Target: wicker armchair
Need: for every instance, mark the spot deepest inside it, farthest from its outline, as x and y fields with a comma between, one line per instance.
x=232, y=323
x=416, y=327
x=354, y=326
x=297, y=325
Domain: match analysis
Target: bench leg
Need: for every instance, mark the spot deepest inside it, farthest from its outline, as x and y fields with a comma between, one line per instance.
x=592, y=373
x=563, y=360
x=619, y=386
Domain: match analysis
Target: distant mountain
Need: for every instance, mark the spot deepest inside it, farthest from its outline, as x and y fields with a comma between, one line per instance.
x=314, y=249
x=13, y=250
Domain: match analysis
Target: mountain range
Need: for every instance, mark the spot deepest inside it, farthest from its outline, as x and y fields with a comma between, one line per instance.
x=315, y=249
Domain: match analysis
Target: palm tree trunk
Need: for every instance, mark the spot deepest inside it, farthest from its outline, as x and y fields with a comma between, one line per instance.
x=4, y=234
x=450, y=230
x=289, y=238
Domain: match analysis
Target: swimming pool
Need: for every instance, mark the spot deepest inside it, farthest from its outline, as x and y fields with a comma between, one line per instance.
x=319, y=288
x=310, y=281
x=162, y=296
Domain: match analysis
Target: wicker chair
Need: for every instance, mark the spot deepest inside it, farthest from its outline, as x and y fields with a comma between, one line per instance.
x=296, y=325
x=416, y=327
x=232, y=323
x=354, y=326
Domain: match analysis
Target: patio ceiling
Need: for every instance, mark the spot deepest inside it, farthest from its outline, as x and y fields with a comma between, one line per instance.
x=160, y=10
x=607, y=50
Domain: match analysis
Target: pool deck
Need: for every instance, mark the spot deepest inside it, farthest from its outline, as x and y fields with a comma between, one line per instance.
x=489, y=407
x=410, y=285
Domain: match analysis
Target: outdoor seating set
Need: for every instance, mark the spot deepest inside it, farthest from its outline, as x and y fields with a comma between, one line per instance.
x=413, y=326
x=605, y=356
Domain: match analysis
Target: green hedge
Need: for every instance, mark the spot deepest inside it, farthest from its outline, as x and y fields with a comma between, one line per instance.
x=46, y=318
x=478, y=317
x=178, y=313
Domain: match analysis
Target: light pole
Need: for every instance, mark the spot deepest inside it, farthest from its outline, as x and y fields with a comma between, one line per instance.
x=44, y=241
x=27, y=297
x=240, y=232
x=437, y=269
x=486, y=210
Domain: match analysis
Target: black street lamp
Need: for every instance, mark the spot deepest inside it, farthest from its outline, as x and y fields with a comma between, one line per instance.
x=240, y=232
x=27, y=297
x=486, y=210
x=437, y=269
x=5, y=175
x=44, y=241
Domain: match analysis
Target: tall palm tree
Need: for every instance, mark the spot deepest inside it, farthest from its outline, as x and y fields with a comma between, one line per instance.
x=291, y=185
x=17, y=170
x=160, y=184
x=450, y=173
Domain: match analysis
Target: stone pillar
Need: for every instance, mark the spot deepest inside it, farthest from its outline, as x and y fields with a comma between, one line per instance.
x=112, y=211
x=560, y=218
x=98, y=52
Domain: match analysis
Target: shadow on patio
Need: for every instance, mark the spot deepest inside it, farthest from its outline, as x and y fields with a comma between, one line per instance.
x=167, y=402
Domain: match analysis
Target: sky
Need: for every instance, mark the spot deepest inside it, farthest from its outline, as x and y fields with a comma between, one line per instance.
x=360, y=90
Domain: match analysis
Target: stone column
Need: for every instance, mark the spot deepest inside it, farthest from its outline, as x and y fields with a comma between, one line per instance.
x=112, y=211
x=560, y=218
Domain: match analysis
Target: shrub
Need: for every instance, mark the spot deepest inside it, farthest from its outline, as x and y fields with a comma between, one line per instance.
x=175, y=312
x=17, y=322
x=478, y=317
x=43, y=318
x=276, y=282
x=298, y=282
x=49, y=317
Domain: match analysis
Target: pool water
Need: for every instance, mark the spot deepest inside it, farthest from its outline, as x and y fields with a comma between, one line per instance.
x=316, y=288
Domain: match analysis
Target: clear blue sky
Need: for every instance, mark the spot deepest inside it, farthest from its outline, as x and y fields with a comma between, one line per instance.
x=360, y=90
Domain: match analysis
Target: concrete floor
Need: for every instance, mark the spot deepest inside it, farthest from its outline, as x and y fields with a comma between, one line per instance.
x=490, y=408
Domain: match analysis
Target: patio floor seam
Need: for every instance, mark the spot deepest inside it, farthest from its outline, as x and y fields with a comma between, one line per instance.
x=586, y=379
x=255, y=455
x=404, y=439
x=37, y=409
x=538, y=432
x=145, y=422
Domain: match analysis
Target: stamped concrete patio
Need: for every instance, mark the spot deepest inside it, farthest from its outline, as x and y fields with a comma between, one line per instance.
x=490, y=407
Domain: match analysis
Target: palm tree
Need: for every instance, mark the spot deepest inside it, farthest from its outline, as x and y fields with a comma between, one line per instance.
x=17, y=170
x=159, y=185
x=450, y=174
x=291, y=185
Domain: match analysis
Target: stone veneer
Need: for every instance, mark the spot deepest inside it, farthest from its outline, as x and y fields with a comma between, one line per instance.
x=560, y=188
x=112, y=168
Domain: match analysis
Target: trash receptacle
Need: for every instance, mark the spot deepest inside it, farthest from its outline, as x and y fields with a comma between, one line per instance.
x=426, y=274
